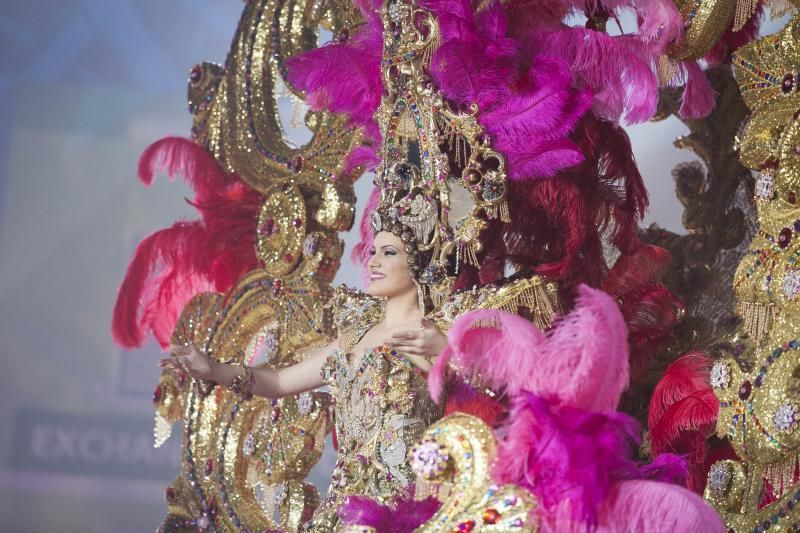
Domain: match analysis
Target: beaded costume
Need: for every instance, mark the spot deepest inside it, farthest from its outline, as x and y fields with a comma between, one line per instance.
x=492, y=129
x=380, y=409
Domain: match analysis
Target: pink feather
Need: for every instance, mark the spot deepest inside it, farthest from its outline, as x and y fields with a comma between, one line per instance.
x=585, y=361
x=582, y=360
x=499, y=346
x=360, y=254
x=641, y=505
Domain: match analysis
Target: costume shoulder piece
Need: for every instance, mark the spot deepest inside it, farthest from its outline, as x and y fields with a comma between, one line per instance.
x=532, y=297
x=353, y=313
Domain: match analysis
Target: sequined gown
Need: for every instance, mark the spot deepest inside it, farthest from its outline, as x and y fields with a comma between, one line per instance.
x=381, y=409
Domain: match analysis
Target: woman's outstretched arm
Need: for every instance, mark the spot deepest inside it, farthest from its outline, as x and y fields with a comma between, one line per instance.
x=301, y=377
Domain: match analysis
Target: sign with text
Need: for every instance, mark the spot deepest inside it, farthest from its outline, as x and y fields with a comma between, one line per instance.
x=91, y=445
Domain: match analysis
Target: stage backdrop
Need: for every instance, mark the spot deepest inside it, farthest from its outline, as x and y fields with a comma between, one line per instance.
x=85, y=85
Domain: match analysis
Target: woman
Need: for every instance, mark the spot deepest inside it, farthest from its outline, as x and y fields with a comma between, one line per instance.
x=376, y=369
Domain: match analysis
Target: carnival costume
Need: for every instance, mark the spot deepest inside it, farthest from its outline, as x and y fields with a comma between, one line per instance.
x=492, y=129
x=750, y=377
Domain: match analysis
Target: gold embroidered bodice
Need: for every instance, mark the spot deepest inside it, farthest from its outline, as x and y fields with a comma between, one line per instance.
x=381, y=408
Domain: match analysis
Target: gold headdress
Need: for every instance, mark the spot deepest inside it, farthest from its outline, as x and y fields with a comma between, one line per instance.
x=440, y=181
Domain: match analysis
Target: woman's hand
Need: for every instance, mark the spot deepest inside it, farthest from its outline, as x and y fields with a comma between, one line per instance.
x=189, y=360
x=425, y=342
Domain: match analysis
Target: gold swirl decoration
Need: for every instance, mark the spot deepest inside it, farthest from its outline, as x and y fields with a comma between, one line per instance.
x=281, y=229
x=757, y=374
x=453, y=460
x=244, y=463
x=242, y=125
x=705, y=22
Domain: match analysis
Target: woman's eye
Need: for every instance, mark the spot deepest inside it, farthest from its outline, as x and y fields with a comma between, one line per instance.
x=390, y=252
x=372, y=252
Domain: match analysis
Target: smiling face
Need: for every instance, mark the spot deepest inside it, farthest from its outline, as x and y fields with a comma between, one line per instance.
x=388, y=267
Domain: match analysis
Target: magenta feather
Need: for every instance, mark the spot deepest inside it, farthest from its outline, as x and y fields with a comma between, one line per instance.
x=471, y=70
x=659, y=20
x=549, y=110
x=619, y=70
x=362, y=159
x=344, y=77
x=538, y=159
x=529, y=116
x=402, y=515
x=667, y=468
x=698, y=95
x=566, y=454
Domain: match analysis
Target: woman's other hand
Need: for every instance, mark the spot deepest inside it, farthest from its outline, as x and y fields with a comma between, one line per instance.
x=189, y=360
x=425, y=342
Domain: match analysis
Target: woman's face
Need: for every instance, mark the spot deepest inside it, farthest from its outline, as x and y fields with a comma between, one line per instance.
x=389, y=274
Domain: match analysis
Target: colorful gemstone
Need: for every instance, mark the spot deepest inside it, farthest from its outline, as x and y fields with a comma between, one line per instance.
x=305, y=403
x=429, y=459
x=786, y=417
x=791, y=284
x=249, y=444
x=719, y=476
x=787, y=83
x=744, y=390
x=296, y=164
x=784, y=237
x=158, y=394
x=196, y=74
x=491, y=516
x=310, y=245
x=720, y=375
x=765, y=186
x=268, y=227
x=467, y=525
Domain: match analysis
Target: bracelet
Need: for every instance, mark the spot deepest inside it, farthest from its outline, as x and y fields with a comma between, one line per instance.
x=242, y=384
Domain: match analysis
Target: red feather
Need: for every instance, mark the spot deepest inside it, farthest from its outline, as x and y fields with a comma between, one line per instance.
x=172, y=265
x=683, y=413
x=462, y=398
